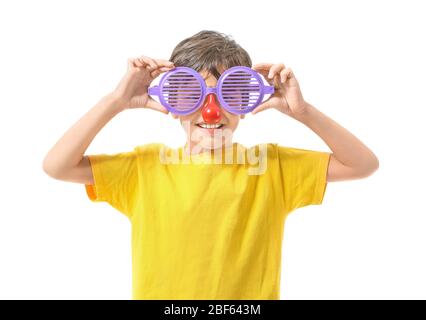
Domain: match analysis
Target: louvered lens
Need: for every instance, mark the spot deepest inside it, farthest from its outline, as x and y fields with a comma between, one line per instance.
x=182, y=91
x=241, y=91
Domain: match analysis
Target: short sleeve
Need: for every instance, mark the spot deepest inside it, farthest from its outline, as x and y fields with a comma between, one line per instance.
x=115, y=179
x=303, y=175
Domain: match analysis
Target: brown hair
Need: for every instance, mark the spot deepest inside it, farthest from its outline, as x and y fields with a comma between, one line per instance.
x=210, y=50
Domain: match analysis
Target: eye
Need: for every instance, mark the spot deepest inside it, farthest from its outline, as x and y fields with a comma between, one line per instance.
x=234, y=95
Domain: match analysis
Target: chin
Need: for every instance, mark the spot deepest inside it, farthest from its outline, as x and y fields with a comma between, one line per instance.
x=210, y=139
x=210, y=143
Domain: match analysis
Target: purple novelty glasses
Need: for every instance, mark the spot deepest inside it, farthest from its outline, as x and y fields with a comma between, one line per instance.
x=183, y=90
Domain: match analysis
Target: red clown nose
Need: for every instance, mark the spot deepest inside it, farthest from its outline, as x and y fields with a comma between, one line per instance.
x=210, y=110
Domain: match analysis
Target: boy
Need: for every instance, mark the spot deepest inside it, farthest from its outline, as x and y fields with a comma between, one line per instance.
x=203, y=229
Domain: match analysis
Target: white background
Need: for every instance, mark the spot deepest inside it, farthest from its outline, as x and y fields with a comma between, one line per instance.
x=360, y=62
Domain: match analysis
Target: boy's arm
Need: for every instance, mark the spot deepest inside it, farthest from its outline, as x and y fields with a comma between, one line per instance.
x=66, y=160
x=351, y=159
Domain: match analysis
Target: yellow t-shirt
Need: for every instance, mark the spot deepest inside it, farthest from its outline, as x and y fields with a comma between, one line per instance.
x=205, y=230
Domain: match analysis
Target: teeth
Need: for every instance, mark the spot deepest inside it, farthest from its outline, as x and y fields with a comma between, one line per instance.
x=209, y=126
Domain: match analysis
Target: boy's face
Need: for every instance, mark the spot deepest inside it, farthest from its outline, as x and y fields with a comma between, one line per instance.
x=209, y=114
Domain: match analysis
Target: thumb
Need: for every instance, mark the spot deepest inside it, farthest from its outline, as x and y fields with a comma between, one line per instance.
x=261, y=107
x=152, y=104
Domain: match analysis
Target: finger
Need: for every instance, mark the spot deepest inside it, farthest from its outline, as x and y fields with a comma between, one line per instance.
x=138, y=63
x=155, y=73
x=285, y=74
x=276, y=68
x=262, y=107
x=164, y=63
x=264, y=73
x=165, y=68
x=265, y=70
x=276, y=81
x=151, y=64
x=133, y=62
x=262, y=66
x=142, y=63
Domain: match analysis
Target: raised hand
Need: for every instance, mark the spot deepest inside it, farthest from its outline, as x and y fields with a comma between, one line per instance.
x=287, y=97
x=132, y=91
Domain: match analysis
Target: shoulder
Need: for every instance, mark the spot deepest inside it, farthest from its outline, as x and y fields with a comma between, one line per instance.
x=289, y=154
x=150, y=149
x=267, y=150
x=296, y=153
x=151, y=154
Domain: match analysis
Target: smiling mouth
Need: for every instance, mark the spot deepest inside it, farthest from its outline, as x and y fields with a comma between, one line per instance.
x=209, y=126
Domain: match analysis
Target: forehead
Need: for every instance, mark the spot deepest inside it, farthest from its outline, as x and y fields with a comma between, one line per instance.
x=210, y=78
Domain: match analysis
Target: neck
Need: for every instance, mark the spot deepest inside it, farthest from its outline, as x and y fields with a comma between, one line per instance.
x=193, y=148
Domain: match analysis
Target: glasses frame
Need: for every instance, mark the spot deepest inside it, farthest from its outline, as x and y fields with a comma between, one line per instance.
x=157, y=90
